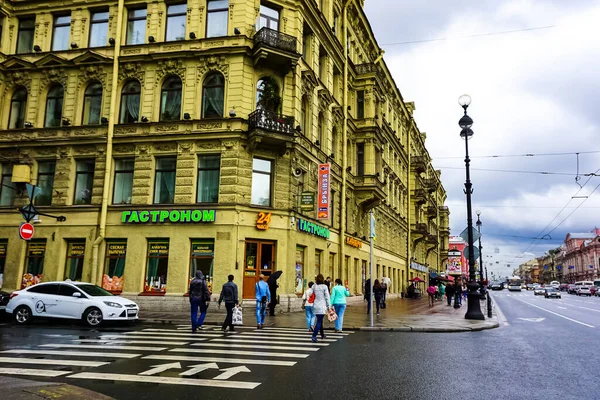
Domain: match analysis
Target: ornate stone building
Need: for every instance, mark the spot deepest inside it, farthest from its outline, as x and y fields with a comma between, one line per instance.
x=176, y=136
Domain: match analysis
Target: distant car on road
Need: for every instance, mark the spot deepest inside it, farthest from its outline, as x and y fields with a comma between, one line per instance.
x=552, y=292
x=584, y=291
x=530, y=286
x=563, y=287
x=497, y=286
x=572, y=289
x=555, y=284
x=70, y=300
x=539, y=290
x=594, y=290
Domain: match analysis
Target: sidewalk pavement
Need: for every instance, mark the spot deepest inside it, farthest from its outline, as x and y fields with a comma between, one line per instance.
x=400, y=315
x=25, y=389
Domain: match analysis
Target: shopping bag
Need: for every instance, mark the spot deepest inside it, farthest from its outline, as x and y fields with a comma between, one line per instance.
x=237, y=315
x=331, y=315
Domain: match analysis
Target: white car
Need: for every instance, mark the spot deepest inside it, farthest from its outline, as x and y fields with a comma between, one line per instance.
x=583, y=291
x=539, y=290
x=70, y=300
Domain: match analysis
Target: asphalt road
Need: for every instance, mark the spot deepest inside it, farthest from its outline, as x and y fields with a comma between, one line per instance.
x=543, y=350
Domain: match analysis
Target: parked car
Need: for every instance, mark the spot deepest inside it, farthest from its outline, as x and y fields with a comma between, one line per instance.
x=497, y=286
x=530, y=286
x=584, y=291
x=4, y=298
x=597, y=293
x=552, y=292
x=593, y=290
x=572, y=289
x=539, y=290
x=563, y=287
x=70, y=300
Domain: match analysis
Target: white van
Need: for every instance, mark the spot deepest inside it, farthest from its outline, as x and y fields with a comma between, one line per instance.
x=556, y=284
x=582, y=288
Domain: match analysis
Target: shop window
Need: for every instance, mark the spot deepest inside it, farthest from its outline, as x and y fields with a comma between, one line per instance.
x=123, y=181
x=130, y=102
x=202, y=258
x=176, y=16
x=136, y=26
x=216, y=18
x=170, y=99
x=54, y=106
x=45, y=183
x=208, y=178
x=360, y=104
x=114, y=266
x=268, y=18
x=300, y=269
x=7, y=190
x=261, y=182
x=3, y=248
x=61, y=31
x=25, y=35
x=18, y=107
x=84, y=181
x=157, y=265
x=75, y=254
x=92, y=104
x=318, y=254
x=164, y=180
x=213, y=96
x=360, y=159
x=34, y=263
x=99, y=29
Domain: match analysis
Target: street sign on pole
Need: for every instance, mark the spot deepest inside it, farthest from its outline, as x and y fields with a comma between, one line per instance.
x=465, y=236
x=26, y=231
x=475, y=252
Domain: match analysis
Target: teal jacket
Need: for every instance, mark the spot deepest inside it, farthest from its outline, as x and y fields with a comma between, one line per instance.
x=339, y=294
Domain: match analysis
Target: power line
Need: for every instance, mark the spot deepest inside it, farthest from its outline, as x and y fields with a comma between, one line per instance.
x=521, y=155
x=515, y=206
x=518, y=171
x=471, y=36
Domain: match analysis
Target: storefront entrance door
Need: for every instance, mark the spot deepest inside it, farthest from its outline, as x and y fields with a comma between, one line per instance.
x=259, y=258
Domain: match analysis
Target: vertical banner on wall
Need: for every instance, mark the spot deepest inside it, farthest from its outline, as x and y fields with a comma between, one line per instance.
x=324, y=191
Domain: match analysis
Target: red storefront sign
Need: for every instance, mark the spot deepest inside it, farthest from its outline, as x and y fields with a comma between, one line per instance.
x=324, y=191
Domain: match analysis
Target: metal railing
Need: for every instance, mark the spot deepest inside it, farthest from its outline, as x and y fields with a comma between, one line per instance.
x=271, y=121
x=276, y=39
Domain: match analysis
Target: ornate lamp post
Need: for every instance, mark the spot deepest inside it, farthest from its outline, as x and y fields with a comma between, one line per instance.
x=481, y=285
x=465, y=123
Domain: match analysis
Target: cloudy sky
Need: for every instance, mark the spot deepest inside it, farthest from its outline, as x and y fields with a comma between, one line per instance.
x=535, y=91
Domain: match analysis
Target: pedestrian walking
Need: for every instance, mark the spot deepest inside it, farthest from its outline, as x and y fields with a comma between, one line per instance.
x=378, y=291
x=431, y=293
x=272, y=283
x=442, y=291
x=328, y=283
x=387, y=285
x=229, y=294
x=199, y=298
x=367, y=292
x=308, y=300
x=449, y=294
x=457, y=294
x=263, y=296
x=321, y=305
x=338, y=300
x=411, y=290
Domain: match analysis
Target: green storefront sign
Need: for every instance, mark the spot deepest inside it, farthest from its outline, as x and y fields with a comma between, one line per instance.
x=307, y=201
x=173, y=216
x=313, y=229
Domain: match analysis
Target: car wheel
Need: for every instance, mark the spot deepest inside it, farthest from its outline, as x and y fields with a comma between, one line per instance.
x=22, y=315
x=92, y=317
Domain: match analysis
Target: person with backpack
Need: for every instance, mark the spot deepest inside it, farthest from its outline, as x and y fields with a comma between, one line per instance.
x=199, y=298
x=229, y=294
x=263, y=296
x=308, y=300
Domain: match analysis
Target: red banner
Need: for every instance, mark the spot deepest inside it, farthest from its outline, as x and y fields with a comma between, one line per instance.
x=324, y=191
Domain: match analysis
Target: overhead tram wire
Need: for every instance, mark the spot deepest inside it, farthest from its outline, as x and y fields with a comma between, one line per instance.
x=519, y=171
x=521, y=155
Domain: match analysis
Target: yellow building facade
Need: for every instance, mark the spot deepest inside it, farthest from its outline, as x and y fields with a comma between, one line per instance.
x=176, y=136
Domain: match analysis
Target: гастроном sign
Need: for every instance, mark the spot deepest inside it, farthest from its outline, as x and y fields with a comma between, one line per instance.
x=313, y=229
x=161, y=216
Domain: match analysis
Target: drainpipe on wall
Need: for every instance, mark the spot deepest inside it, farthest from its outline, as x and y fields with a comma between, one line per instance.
x=96, y=274
x=408, y=204
x=344, y=211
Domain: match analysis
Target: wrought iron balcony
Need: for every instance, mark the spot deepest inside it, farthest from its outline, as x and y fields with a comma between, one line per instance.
x=431, y=239
x=275, y=48
x=420, y=196
x=430, y=185
x=421, y=228
x=418, y=164
x=367, y=68
x=270, y=129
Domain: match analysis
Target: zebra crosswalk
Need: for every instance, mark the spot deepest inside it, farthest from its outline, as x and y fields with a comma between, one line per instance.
x=209, y=358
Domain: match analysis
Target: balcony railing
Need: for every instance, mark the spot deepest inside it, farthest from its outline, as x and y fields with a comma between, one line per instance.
x=421, y=228
x=430, y=185
x=367, y=68
x=276, y=39
x=271, y=121
x=419, y=163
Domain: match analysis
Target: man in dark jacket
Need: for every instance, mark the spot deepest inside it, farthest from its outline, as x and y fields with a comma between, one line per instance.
x=199, y=297
x=367, y=292
x=449, y=293
x=229, y=294
x=272, y=282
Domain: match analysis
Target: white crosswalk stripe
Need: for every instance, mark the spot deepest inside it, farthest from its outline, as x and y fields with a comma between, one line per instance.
x=33, y=371
x=165, y=380
x=159, y=338
x=174, y=334
x=110, y=341
x=247, y=361
x=93, y=346
x=285, y=337
x=300, y=330
x=253, y=340
x=254, y=346
x=240, y=353
x=39, y=352
x=45, y=361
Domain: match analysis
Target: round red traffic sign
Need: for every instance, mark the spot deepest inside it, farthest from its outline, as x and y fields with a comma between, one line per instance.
x=26, y=231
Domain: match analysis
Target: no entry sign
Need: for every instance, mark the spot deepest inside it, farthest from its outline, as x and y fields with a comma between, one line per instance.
x=26, y=231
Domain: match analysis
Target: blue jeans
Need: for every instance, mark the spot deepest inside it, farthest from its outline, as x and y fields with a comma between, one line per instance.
x=197, y=322
x=319, y=326
x=310, y=316
x=340, y=309
x=261, y=311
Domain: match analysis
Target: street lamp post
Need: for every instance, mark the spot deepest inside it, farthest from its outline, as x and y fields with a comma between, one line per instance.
x=465, y=123
x=481, y=285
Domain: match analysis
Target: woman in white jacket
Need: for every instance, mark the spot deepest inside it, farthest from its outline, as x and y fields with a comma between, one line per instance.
x=307, y=304
x=321, y=305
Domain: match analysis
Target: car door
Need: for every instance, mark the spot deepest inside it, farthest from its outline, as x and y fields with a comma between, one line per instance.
x=43, y=299
x=68, y=306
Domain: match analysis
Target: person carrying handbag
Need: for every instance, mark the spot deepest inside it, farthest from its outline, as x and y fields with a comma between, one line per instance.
x=321, y=306
x=308, y=300
x=263, y=296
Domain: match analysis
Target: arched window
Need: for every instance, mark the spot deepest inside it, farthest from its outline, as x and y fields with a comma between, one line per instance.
x=267, y=94
x=213, y=95
x=18, y=104
x=92, y=104
x=54, y=106
x=334, y=144
x=170, y=99
x=130, y=103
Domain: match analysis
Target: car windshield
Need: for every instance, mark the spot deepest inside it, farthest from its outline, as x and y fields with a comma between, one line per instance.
x=93, y=290
x=551, y=290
